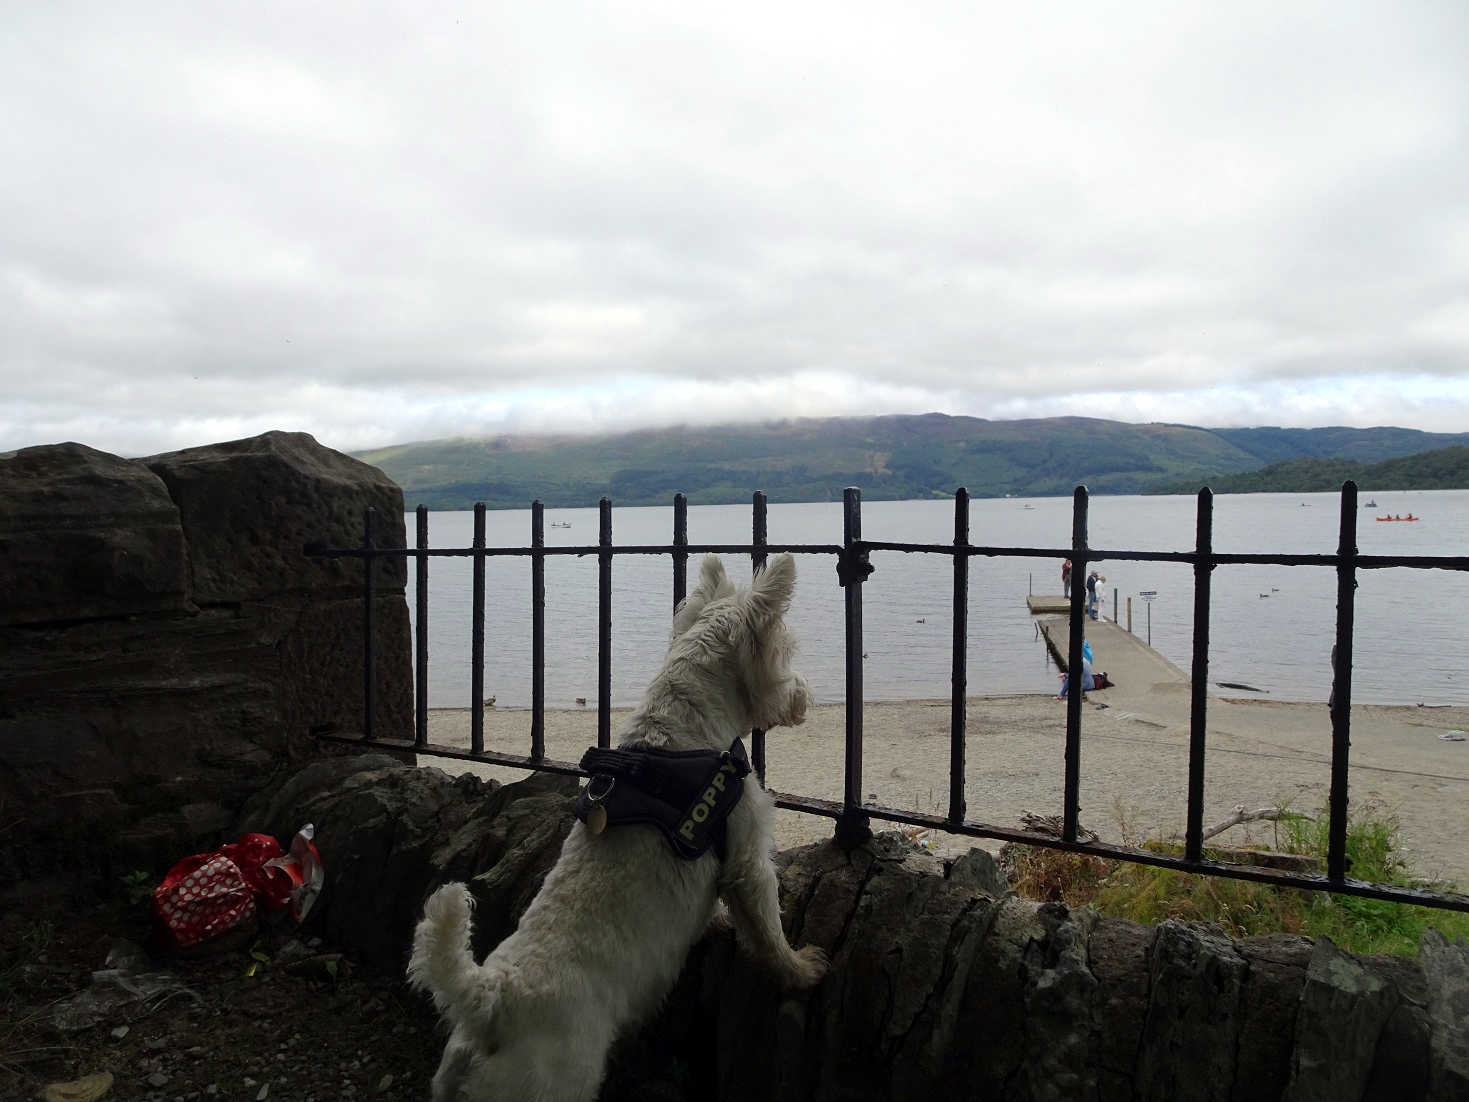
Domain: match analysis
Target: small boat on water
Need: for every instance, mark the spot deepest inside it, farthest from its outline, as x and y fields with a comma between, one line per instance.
x=1410, y=516
x=1369, y=505
x=561, y=524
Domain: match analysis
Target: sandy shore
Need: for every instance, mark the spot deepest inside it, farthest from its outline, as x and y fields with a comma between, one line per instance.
x=1134, y=763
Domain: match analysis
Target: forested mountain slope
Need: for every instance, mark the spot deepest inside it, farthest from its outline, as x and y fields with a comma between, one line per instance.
x=902, y=456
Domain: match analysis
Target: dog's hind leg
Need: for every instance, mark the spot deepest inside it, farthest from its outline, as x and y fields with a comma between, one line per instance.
x=455, y=1074
x=544, y=1068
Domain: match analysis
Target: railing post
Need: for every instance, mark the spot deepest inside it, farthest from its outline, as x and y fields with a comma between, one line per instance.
x=757, y=564
x=420, y=631
x=959, y=678
x=852, y=828
x=1341, y=681
x=369, y=628
x=538, y=630
x=1080, y=561
x=604, y=624
x=477, y=637
x=680, y=549
x=1203, y=571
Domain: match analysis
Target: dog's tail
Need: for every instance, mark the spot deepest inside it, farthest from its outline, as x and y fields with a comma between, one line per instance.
x=442, y=963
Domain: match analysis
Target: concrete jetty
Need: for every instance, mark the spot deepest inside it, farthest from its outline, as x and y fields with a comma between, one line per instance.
x=1263, y=751
x=1139, y=673
x=1046, y=606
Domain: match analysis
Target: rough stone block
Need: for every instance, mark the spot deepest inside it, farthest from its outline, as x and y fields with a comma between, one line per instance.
x=1060, y=1059
x=250, y=506
x=1118, y=952
x=1267, y=1024
x=1446, y=971
x=321, y=654
x=1189, y=1041
x=114, y=682
x=86, y=534
x=1343, y=1009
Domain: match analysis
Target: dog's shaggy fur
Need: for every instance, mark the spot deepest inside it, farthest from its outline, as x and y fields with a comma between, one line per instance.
x=603, y=942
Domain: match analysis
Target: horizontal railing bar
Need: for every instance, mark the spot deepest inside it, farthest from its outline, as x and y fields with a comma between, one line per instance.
x=995, y=552
x=1219, y=558
x=459, y=753
x=1421, y=562
x=1364, y=562
x=1422, y=897
x=578, y=551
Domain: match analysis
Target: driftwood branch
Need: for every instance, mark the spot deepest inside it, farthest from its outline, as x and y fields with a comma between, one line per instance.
x=1240, y=815
x=1052, y=825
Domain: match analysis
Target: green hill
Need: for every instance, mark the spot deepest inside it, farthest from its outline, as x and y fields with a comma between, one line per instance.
x=1275, y=445
x=895, y=457
x=1441, y=469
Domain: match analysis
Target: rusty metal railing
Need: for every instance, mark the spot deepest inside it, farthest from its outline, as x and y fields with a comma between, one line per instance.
x=852, y=815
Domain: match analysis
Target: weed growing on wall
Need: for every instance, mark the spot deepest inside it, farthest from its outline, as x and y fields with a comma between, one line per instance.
x=1242, y=908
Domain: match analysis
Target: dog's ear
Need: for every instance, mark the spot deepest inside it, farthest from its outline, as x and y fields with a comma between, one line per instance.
x=713, y=584
x=770, y=594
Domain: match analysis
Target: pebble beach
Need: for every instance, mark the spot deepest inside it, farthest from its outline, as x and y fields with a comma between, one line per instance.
x=1134, y=763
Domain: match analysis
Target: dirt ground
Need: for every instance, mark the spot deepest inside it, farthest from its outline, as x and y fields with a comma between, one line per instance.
x=238, y=1023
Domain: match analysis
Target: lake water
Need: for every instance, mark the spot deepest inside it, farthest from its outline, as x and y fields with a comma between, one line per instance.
x=1272, y=627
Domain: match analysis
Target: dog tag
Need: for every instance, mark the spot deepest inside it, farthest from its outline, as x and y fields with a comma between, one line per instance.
x=597, y=819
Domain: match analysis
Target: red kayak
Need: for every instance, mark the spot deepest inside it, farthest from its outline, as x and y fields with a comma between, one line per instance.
x=1410, y=516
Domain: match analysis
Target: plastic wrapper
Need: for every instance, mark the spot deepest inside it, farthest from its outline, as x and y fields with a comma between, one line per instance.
x=129, y=983
x=303, y=867
x=208, y=894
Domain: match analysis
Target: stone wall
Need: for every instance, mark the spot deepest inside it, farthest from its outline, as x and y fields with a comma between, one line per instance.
x=943, y=985
x=166, y=645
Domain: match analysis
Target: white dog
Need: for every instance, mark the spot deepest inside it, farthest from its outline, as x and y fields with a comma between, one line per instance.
x=603, y=942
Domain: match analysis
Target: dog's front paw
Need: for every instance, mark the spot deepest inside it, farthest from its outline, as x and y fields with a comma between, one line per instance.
x=808, y=965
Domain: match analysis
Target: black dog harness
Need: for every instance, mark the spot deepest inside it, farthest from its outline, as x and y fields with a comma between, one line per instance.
x=687, y=794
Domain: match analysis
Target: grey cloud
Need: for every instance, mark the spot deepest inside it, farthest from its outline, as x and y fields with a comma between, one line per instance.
x=442, y=220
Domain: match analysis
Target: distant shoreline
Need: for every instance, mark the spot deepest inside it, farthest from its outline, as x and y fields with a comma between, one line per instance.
x=868, y=495
x=903, y=457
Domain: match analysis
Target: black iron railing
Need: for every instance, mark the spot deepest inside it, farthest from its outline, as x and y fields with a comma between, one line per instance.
x=852, y=815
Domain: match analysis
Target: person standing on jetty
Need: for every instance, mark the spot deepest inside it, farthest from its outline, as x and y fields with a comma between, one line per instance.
x=1066, y=579
x=1091, y=594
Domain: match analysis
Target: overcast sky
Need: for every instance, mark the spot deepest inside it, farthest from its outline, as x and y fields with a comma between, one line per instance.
x=385, y=223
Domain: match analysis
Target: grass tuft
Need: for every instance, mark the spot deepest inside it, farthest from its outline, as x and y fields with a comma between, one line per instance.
x=1242, y=908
